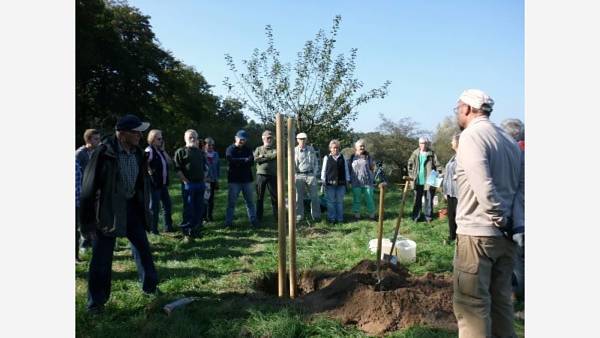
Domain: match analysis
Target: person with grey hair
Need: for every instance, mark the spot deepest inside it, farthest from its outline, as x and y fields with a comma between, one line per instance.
x=158, y=170
x=306, y=165
x=489, y=217
x=265, y=157
x=450, y=189
x=361, y=166
x=190, y=165
x=335, y=176
x=420, y=165
x=516, y=129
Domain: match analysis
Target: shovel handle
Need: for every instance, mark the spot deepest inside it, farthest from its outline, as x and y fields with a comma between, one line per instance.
x=407, y=179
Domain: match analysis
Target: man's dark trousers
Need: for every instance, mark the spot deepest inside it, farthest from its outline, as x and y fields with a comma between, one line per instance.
x=264, y=182
x=429, y=194
x=99, y=277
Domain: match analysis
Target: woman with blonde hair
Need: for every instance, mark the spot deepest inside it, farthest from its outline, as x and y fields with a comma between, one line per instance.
x=158, y=169
x=361, y=167
x=335, y=177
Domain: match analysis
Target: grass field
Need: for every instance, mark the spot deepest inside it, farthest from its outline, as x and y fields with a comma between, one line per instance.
x=221, y=268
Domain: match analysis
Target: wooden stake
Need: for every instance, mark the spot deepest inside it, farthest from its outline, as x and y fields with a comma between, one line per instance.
x=292, y=205
x=380, y=223
x=280, y=206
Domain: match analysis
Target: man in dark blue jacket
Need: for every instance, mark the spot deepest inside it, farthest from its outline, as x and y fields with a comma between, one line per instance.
x=239, y=178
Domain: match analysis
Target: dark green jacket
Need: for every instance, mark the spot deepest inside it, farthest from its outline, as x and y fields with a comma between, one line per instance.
x=265, y=159
x=103, y=207
x=192, y=163
x=430, y=164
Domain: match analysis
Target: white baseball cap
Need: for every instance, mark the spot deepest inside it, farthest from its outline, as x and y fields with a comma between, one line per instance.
x=301, y=136
x=477, y=99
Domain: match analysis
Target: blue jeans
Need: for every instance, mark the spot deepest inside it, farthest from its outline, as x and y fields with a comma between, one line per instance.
x=335, y=202
x=193, y=206
x=247, y=190
x=99, y=276
x=161, y=195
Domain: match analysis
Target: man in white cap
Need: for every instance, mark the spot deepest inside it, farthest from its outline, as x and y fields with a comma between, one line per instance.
x=307, y=169
x=490, y=181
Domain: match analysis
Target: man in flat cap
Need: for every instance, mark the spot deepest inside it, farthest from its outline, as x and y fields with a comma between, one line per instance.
x=489, y=217
x=265, y=157
x=307, y=169
x=117, y=171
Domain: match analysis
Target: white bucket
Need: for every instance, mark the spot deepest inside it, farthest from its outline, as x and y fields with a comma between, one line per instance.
x=405, y=249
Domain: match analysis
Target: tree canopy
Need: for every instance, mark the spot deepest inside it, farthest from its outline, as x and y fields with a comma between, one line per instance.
x=121, y=68
x=319, y=89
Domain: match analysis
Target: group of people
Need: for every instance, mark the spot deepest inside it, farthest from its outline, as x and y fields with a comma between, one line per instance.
x=120, y=187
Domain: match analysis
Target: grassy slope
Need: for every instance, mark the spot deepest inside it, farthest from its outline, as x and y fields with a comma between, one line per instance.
x=221, y=267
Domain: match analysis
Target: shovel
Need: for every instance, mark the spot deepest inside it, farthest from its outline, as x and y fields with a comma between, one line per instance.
x=392, y=258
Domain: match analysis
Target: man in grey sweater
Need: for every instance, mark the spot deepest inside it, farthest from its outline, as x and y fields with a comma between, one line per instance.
x=490, y=181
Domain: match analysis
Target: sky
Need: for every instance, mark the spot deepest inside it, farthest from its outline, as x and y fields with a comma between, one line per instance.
x=430, y=50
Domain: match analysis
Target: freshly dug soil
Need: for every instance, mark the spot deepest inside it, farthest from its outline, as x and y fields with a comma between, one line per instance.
x=398, y=301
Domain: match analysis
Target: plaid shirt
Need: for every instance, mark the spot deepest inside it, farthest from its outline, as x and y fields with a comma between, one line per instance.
x=128, y=169
x=78, y=180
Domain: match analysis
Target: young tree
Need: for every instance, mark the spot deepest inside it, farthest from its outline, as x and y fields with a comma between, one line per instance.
x=319, y=90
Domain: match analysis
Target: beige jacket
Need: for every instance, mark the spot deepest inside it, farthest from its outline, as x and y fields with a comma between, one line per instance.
x=490, y=180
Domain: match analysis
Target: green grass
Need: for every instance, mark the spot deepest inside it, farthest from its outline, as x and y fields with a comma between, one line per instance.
x=221, y=268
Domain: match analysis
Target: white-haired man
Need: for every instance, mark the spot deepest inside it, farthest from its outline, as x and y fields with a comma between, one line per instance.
x=307, y=169
x=489, y=177
x=420, y=165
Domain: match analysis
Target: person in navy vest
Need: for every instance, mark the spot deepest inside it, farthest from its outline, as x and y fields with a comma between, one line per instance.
x=158, y=169
x=335, y=176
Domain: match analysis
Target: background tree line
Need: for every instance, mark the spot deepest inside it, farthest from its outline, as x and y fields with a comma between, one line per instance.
x=121, y=68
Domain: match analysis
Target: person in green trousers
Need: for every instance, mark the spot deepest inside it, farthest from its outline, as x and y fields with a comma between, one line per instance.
x=361, y=166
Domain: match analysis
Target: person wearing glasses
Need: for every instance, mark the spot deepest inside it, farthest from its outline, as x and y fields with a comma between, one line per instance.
x=265, y=157
x=158, y=169
x=117, y=171
x=190, y=165
x=239, y=178
x=420, y=165
x=335, y=176
x=490, y=220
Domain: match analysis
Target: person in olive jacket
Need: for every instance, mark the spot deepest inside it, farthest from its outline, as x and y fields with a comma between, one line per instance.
x=420, y=165
x=190, y=165
x=265, y=157
x=117, y=172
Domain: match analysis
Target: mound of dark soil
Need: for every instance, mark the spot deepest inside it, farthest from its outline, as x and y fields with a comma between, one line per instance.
x=397, y=301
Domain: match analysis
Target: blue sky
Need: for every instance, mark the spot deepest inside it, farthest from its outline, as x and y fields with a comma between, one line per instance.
x=430, y=50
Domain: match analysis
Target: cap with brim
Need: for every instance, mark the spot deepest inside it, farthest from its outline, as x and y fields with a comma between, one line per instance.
x=267, y=133
x=131, y=123
x=301, y=136
x=477, y=99
x=242, y=134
